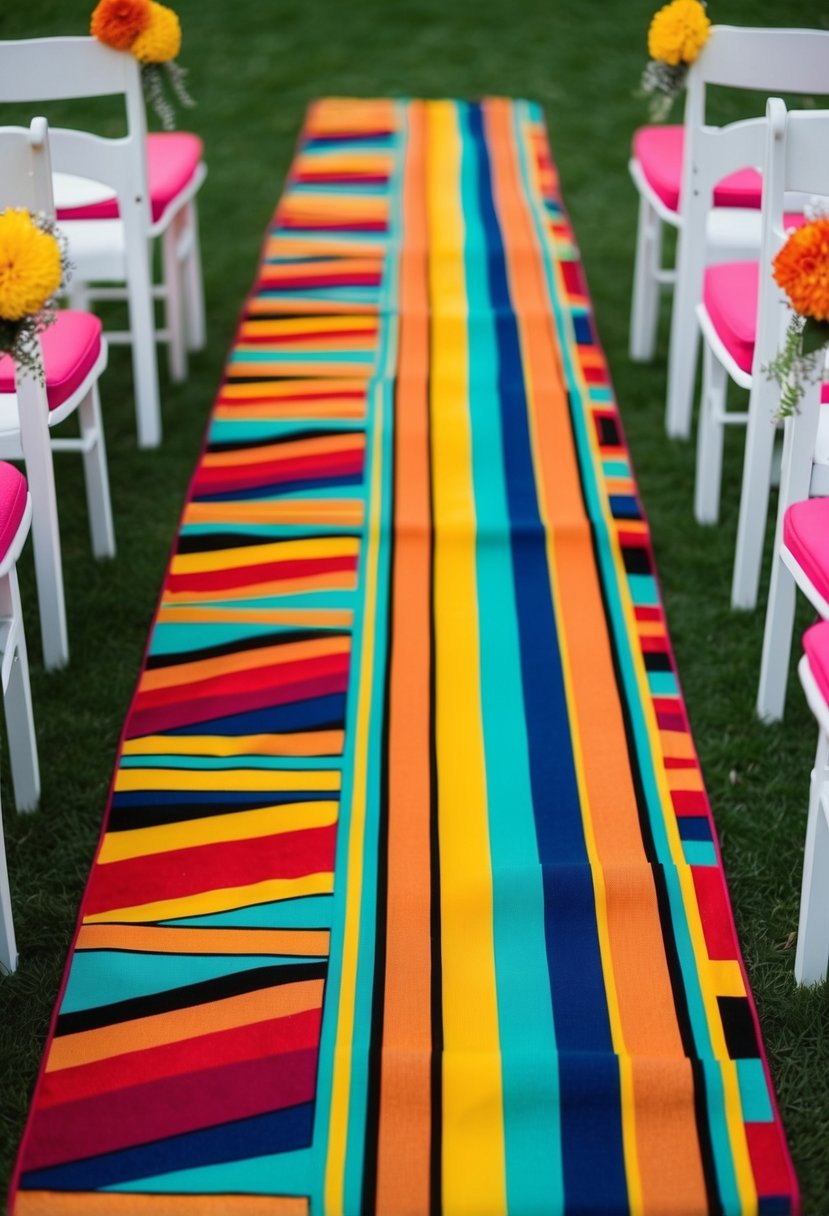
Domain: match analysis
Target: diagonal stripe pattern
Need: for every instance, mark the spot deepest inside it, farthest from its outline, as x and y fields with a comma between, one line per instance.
x=409, y=898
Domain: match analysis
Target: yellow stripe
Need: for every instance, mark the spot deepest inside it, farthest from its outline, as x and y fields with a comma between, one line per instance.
x=223, y=900
x=242, y=825
x=235, y=779
x=254, y=555
x=353, y=866
x=473, y=1125
x=301, y=743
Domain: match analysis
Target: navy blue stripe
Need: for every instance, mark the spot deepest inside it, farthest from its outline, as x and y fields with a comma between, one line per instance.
x=573, y=954
x=278, y=489
x=276, y=1132
x=314, y=714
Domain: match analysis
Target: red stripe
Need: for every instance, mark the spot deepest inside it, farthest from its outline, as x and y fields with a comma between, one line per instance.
x=276, y=1036
x=325, y=464
x=332, y=226
x=299, y=282
x=155, y=721
x=170, y=1107
x=210, y=867
x=768, y=1159
x=271, y=675
x=369, y=179
x=268, y=572
x=310, y=335
x=714, y=912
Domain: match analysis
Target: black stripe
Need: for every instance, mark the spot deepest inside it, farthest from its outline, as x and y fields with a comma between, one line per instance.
x=262, y=642
x=159, y=814
x=375, y=1061
x=190, y=995
x=683, y=1016
x=210, y=542
x=436, y=1122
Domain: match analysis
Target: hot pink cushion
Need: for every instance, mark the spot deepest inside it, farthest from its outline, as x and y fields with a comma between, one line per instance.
x=70, y=348
x=816, y=645
x=12, y=504
x=172, y=159
x=659, y=152
x=806, y=535
x=730, y=297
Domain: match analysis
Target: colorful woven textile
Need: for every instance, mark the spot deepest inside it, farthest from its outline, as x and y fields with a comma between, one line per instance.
x=409, y=898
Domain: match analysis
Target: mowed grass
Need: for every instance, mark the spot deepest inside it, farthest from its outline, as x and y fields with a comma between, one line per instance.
x=253, y=69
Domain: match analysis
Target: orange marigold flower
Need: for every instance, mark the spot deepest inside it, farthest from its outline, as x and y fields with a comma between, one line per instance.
x=678, y=32
x=161, y=40
x=119, y=22
x=801, y=268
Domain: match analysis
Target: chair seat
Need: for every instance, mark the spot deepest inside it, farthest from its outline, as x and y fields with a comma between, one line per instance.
x=659, y=152
x=816, y=646
x=70, y=348
x=730, y=296
x=172, y=160
x=806, y=536
x=13, y=494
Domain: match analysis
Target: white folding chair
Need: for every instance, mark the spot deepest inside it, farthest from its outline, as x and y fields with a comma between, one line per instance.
x=770, y=60
x=110, y=227
x=73, y=356
x=15, y=518
x=812, y=954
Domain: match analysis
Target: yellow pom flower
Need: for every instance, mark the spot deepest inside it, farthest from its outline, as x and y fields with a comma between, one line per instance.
x=678, y=32
x=801, y=268
x=30, y=267
x=161, y=38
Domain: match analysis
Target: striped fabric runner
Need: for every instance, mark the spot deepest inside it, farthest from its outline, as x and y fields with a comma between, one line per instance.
x=409, y=898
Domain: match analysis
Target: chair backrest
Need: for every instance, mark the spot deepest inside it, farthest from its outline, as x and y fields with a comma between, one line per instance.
x=26, y=180
x=42, y=70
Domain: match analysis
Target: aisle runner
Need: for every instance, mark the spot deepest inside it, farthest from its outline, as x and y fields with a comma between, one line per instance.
x=409, y=899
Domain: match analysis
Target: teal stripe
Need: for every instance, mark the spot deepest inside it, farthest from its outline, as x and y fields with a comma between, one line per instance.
x=754, y=1091
x=699, y=1022
x=662, y=684
x=643, y=590
x=346, y=295
x=308, y=912
x=279, y=1174
x=616, y=468
x=365, y=357
x=532, y=1130
x=331, y=598
x=700, y=853
x=250, y=430
x=179, y=640
x=102, y=977
x=381, y=406
x=271, y=531
x=229, y=764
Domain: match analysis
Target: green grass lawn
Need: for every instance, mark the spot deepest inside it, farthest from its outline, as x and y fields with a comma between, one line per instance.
x=253, y=68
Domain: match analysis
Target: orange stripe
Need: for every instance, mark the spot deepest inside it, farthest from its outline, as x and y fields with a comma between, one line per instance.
x=251, y=660
x=69, y=1050
x=94, y=1203
x=274, y=453
x=157, y=940
x=264, y=616
x=287, y=510
x=405, y=1092
x=639, y=970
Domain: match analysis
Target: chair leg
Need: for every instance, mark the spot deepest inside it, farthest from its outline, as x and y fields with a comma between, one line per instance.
x=684, y=343
x=144, y=357
x=8, y=944
x=40, y=474
x=194, y=313
x=754, y=501
x=644, y=316
x=777, y=643
x=812, y=953
x=96, y=476
x=174, y=303
x=17, y=703
x=710, y=437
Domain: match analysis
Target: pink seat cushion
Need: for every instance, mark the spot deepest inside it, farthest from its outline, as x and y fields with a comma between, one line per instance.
x=730, y=297
x=816, y=645
x=659, y=152
x=172, y=159
x=806, y=536
x=12, y=504
x=70, y=348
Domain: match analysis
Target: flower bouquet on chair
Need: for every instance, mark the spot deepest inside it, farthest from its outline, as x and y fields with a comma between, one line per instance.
x=801, y=268
x=33, y=267
x=152, y=33
x=676, y=35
